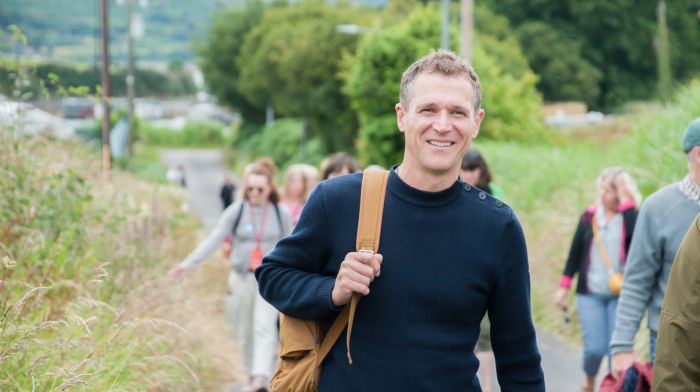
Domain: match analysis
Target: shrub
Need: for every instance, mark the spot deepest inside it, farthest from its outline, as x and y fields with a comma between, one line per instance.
x=285, y=142
x=82, y=298
x=372, y=81
x=194, y=133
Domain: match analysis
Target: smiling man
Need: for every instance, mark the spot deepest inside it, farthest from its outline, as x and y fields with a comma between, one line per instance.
x=448, y=253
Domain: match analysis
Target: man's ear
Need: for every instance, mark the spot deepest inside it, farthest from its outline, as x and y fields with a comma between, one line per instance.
x=478, y=119
x=400, y=116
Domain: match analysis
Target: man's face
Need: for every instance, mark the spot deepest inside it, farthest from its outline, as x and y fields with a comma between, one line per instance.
x=438, y=123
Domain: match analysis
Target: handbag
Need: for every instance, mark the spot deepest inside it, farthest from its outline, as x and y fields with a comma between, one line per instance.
x=616, y=278
x=302, y=347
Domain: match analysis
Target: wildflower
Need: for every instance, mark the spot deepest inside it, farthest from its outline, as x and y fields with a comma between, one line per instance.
x=144, y=210
x=8, y=263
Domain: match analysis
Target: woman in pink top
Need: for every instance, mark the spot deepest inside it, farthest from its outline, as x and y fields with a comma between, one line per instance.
x=598, y=250
x=295, y=191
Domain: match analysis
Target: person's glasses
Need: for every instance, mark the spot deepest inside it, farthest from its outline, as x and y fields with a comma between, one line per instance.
x=255, y=189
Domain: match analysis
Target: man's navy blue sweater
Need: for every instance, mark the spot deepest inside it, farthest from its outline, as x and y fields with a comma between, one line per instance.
x=448, y=257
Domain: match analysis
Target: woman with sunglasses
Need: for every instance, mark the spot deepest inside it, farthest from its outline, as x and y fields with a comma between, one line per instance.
x=256, y=223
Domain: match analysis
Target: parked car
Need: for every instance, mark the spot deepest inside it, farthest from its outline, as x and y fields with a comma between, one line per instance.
x=77, y=108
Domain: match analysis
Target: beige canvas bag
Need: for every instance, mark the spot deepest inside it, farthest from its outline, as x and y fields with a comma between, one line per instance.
x=302, y=347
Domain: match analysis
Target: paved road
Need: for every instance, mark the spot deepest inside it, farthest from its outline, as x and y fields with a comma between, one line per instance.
x=205, y=171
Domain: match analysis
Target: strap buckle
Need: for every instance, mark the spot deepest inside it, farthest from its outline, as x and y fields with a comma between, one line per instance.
x=368, y=251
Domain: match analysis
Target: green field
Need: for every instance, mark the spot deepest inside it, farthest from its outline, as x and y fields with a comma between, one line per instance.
x=549, y=185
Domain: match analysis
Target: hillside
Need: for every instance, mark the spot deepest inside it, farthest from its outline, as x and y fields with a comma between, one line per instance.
x=68, y=30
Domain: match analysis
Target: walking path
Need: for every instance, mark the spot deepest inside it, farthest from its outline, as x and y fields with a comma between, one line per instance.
x=205, y=170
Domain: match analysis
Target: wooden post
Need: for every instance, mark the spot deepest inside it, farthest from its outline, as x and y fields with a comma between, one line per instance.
x=466, y=29
x=130, y=78
x=445, y=38
x=106, y=158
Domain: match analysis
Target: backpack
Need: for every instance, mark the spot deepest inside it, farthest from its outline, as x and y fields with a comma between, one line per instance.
x=302, y=347
x=637, y=378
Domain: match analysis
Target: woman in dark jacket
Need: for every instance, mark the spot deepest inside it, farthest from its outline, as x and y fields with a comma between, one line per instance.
x=598, y=251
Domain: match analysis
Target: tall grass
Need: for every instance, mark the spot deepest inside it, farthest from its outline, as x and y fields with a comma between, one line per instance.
x=193, y=134
x=550, y=184
x=84, y=303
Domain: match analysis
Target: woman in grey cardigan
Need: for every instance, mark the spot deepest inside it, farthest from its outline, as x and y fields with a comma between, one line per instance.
x=256, y=224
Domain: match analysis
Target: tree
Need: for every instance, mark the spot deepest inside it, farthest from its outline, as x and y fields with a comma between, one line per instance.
x=618, y=39
x=283, y=141
x=291, y=61
x=219, y=55
x=564, y=74
x=684, y=37
x=508, y=86
x=615, y=37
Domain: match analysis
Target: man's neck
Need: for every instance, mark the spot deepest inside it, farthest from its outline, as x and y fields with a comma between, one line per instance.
x=695, y=176
x=424, y=181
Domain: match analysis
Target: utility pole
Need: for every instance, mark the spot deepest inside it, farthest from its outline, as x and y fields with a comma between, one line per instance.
x=445, y=39
x=130, y=78
x=466, y=29
x=105, y=89
x=663, y=57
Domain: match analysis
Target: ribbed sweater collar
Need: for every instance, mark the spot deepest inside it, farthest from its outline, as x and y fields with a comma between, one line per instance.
x=409, y=194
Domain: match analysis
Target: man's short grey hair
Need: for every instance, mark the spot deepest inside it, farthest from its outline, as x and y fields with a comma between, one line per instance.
x=442, y=62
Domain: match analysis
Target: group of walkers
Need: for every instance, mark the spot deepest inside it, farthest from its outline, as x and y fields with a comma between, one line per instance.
x=623, y=256
x=451, y=273
x=250, y=227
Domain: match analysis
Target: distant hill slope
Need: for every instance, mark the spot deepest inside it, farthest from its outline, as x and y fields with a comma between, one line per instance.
x=69, y=30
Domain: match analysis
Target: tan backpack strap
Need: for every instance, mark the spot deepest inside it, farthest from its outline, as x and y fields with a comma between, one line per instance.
x=333, y=334
x=603, y=252
x=369, y=227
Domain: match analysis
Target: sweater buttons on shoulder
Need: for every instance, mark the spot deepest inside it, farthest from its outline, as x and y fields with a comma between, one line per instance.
x=467, y=187
x=482, y=195
x=499, y=203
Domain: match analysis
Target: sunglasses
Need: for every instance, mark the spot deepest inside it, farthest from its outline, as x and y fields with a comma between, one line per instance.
x=257, y=189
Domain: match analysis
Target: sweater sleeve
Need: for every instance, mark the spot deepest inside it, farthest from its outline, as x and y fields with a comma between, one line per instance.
x=576, y=254
x=291, y=277
x=512, y=330
x=223, y=226
x=643, y=264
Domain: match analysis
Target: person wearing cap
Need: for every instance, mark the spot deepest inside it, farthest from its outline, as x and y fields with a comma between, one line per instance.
x=661, y=225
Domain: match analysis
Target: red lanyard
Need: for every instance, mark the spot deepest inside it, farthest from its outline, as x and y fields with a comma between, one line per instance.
x=259, y=234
